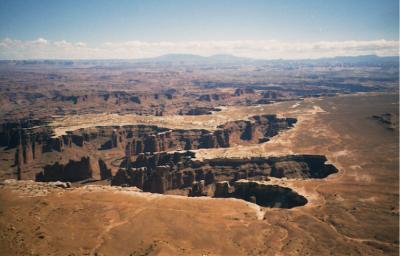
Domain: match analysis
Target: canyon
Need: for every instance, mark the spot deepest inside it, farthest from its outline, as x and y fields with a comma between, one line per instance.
x=223, y=177
x=153, y=168
x=198, y=159
x=32, y=141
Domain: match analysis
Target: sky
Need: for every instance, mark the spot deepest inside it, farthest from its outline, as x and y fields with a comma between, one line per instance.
x=105, y=29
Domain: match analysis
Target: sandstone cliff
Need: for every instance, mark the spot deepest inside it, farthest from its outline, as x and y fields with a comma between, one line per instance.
x=162, y=171
x=33, y=144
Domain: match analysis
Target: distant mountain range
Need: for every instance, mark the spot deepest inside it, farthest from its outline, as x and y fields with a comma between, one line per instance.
x=214, y=59
x=226, y=58
x=361, y=58
x=196, y=58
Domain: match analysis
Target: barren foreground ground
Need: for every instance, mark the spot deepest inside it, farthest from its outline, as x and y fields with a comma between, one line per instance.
x=353, y=212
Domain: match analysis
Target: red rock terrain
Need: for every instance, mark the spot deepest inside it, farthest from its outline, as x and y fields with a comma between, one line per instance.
x=150, y=160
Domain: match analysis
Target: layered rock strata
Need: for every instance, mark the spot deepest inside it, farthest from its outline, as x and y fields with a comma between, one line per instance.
x=180, y=170
x=72, y=171
x=33, y=144
x=266, y=195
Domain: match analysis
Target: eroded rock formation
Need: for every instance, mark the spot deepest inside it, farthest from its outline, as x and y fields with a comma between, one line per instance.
x=105, y=172
x=143, y=138
x=223, y=177
x=148, y=166
x=32, y=142
x=200, y=111
x=389, y=120
x=72, y=171
x=267, y=195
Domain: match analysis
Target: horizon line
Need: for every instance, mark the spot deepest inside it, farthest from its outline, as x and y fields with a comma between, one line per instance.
x=256, y=49
x=202, y=56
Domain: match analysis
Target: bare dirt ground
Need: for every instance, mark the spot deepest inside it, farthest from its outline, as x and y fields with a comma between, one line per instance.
x=354, y=212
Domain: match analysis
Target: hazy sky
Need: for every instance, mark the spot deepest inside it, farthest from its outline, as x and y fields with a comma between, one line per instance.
x=134, y=29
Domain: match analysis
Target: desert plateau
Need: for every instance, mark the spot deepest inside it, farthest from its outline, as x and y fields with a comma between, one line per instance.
x=199, y=128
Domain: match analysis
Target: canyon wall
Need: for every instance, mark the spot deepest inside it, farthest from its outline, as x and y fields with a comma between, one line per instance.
x=163, y=171
x=33, y=144
x=245, y=179
x=266, y=195
x=72, y=171
x=143, y=161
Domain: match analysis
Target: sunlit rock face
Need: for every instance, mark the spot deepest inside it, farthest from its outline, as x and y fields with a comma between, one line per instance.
x=223, y=177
